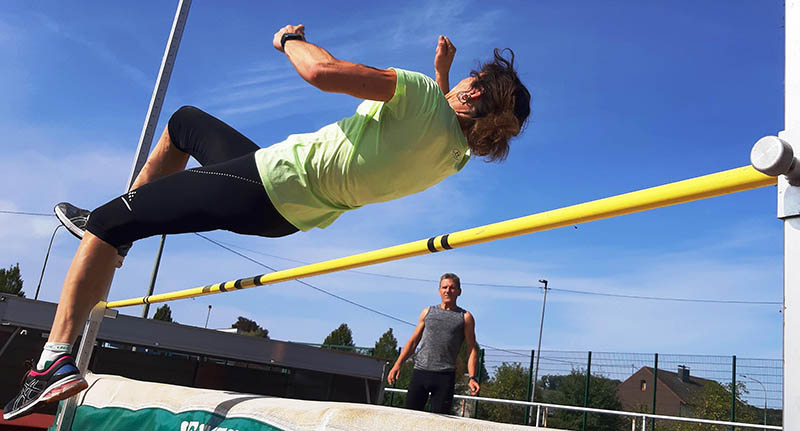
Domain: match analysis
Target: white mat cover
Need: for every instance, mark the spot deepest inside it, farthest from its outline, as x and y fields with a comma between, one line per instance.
x=116, y=403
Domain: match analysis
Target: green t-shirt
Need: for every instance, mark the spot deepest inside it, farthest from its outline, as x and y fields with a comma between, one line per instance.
x=387, y=150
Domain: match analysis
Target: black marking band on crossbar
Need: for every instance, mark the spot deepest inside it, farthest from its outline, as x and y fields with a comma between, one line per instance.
x=431, y=244
x=445, y=244
x=443, y=240
x=237, y=284
x=222, y=287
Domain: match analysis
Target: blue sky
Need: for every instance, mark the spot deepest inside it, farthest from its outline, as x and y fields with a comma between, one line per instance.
x=626, y=95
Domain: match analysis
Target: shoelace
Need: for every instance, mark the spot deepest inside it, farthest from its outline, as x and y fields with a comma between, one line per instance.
x=28, y=363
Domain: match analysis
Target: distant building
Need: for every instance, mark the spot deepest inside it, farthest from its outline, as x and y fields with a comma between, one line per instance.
x=673, y=393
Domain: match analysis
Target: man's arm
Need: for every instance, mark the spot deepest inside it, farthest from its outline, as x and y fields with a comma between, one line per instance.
x=409, y=348
x=472, y=348
x=322, y=70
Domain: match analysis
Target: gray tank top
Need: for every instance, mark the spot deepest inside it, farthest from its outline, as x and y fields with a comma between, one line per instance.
x=441, y=339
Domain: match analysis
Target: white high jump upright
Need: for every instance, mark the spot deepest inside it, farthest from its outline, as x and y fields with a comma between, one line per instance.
x=789, y=211
x=776, y=156
x=67, y=412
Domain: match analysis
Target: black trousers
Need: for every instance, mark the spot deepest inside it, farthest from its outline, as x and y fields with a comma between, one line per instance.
x=439, y=384
x=225, y=193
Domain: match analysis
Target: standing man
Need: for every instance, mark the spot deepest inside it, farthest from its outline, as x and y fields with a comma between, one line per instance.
x=441, y=330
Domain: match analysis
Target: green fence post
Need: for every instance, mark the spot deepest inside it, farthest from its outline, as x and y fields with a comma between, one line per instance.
x=528, y=397
x=480, y=376
x=655, y=386
x=733, y=393
x=391, y=394
x=586, y=389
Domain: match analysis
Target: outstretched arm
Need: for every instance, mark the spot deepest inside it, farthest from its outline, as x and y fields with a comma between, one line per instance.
x=445, y=53
x=322, y=70
x=472, y=349
x=409, y=348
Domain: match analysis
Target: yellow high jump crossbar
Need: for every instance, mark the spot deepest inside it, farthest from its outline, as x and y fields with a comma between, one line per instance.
x=717, y=184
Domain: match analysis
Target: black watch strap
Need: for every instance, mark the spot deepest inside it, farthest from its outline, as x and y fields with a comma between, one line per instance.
x=473, y=378
x=290, y=36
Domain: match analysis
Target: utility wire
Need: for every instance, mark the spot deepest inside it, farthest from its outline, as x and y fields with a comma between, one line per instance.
x=25, y=213
x=658, y=298
x=219, y=244
x=398, y=277
x=307, y=284
x=512, y=286
x=397, y=319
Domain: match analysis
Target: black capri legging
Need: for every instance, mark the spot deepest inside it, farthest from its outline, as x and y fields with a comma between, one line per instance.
x=441, y=386
x=225, y=193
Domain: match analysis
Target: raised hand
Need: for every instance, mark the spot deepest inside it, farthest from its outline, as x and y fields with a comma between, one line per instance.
x=445, y=53
x=276, y=39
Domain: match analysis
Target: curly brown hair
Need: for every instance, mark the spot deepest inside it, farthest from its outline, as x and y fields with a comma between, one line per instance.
x=502, y=110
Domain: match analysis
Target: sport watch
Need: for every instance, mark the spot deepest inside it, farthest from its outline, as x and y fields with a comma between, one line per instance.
x=290, y=36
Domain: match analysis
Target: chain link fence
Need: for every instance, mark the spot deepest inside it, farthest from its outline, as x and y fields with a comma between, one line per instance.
x=699, y=386
x=721, y=388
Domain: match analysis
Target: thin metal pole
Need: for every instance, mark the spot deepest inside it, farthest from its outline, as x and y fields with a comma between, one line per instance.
x=539, y=345
x=160, y=90
x=586, y=389
x=156, y=265
x=480, y=377
x=64, y=419
x=44, y=265
x=382, y=384
x=391, y=394
x=528, y=410
x=733, y=392
x=208, y=315
x=655, y=386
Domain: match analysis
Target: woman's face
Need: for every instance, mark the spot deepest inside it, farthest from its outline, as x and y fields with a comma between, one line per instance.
x=464, y=85
x=462, y=97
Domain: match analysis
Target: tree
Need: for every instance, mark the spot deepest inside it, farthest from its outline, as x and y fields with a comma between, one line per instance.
x=250, y=328
x=570, y=390
x=340, y=338
x=399, y=400
x=10, y=281
x=510, y=381
x=163, y=313
x=462, y=380
x=386, y=347
x=714, y=402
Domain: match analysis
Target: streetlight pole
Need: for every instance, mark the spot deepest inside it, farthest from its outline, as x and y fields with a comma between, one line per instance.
x=765, y=394
x=539, y=345
x=44, y=265
x=208, y=315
